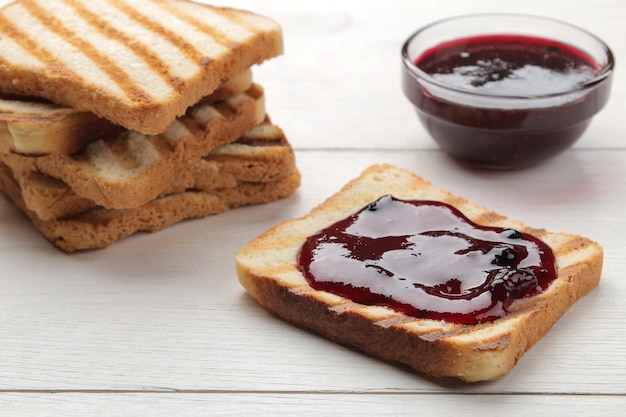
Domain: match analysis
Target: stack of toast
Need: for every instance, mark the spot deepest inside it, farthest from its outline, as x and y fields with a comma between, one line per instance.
x=126, y=116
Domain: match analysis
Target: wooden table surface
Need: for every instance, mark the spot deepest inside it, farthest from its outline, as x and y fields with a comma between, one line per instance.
x=158, y=325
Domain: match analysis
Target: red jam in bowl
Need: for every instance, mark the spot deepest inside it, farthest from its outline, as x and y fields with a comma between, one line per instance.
x=508, y=65
x=505, y=100
x=427, y=260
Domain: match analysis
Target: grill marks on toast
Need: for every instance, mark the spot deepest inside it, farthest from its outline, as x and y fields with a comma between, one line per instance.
x=182, y=44
x=133, y=153
x=29, y=48
x=224, y=109
x=74, y=13
x=259, y=142
x=139, y=48
x=138, y=64
x=172, y=21
x=19, y=22
x=131, y=169
x=261, y=154
x=222, y=37
x=95, y=51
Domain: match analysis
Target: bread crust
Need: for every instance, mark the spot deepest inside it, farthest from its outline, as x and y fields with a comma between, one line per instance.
x=267, y=270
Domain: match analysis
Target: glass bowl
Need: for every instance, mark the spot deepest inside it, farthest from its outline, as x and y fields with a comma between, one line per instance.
x=512, y=108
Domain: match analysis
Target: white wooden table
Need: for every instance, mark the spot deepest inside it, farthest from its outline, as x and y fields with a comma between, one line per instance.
x=158, y=325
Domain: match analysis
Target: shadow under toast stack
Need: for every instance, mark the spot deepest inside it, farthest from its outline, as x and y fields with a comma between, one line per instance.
x=90, y=166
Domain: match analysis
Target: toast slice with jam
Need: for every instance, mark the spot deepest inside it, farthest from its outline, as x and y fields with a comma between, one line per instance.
x=270, y=268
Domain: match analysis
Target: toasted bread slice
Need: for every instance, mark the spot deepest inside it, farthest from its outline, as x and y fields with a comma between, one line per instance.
x=137, y=63
x=99, y=227
x=37, y=127
x=261, y=154
x=129, y=169
x=268, y=270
